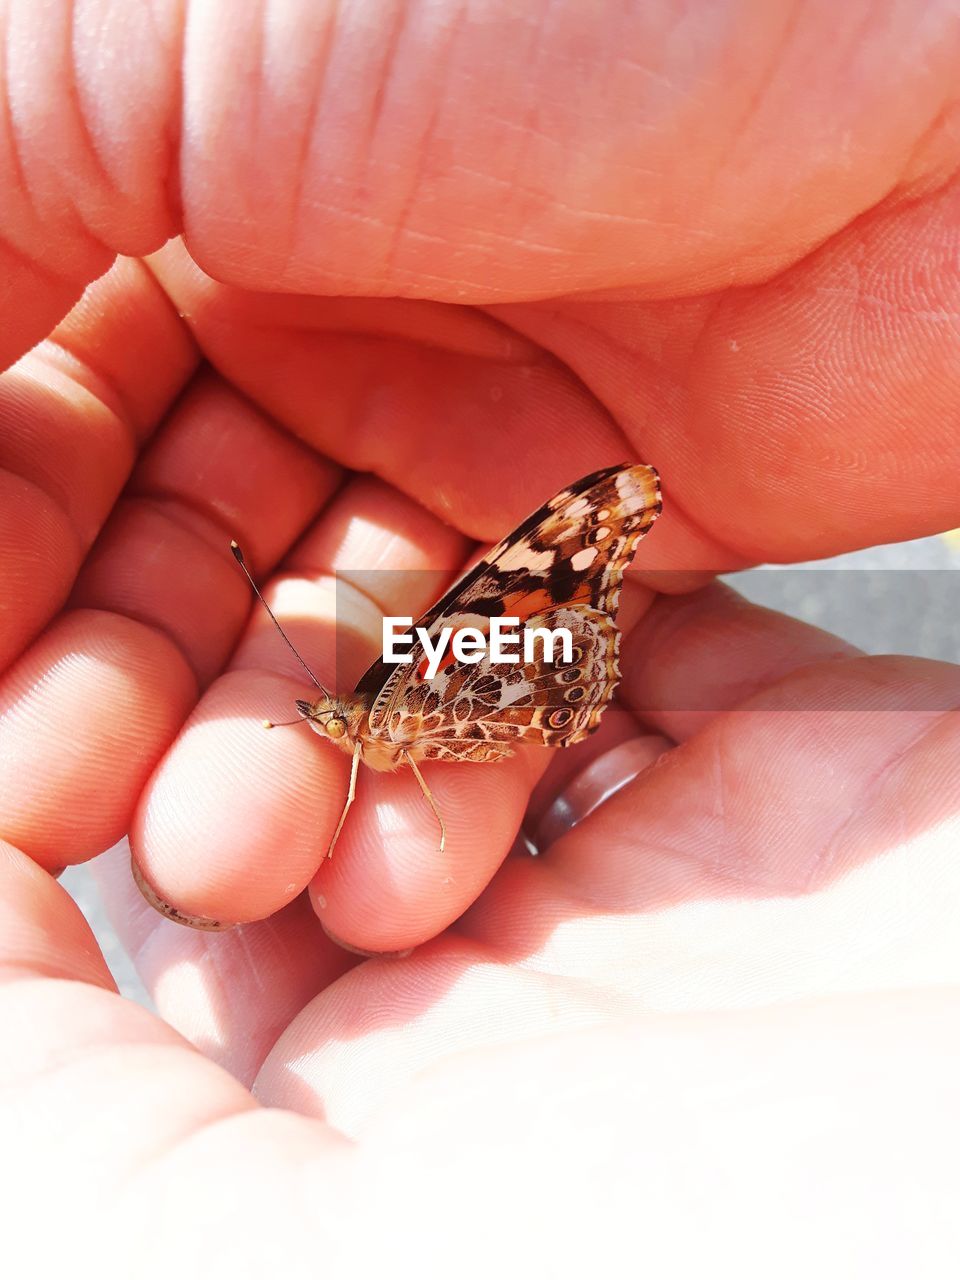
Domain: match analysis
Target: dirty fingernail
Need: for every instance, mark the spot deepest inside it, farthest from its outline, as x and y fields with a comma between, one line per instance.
x=171, y=912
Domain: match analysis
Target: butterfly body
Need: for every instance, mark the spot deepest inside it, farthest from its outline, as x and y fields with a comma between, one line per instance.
x=561, y=568
x=344, y=721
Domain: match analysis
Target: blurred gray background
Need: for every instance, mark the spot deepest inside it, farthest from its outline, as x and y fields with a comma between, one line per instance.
x=903, y=598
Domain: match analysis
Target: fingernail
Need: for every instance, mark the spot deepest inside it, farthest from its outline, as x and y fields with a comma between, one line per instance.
x=171, y=912
x=359, y=951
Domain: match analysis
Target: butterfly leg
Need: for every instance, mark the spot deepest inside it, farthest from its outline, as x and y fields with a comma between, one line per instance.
x=351, y=795
x=428, y=794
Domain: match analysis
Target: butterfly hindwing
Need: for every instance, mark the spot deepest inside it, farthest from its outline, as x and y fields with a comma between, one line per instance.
x=479, y=711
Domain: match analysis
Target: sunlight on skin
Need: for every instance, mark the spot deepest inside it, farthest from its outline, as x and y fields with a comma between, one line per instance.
x=188, y=984
x=751, y=950
x=339, y=1061
x=230, y=993
x=391, y=818
x=311, y=613
x=347, y=1054
x=369, y=546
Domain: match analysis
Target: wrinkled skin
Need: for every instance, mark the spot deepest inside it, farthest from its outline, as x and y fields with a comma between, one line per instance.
x=475, y=251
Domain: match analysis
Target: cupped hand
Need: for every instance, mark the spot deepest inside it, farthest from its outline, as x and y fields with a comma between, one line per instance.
x=409, y=305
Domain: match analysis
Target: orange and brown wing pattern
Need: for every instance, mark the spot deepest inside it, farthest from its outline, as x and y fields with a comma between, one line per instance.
x=482, y=710
x=562, y=567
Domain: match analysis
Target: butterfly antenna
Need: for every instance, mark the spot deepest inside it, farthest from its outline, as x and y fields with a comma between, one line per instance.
x=238, y=556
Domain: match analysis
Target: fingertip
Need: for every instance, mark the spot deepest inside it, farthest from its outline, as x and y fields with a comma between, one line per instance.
x=89, y=709
x=388, y=886
x=316, y=900
x=42, y=930
x=234, y=822
x=170, y=912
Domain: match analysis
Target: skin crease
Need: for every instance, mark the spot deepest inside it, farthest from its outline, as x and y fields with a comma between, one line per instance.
x=476, y=251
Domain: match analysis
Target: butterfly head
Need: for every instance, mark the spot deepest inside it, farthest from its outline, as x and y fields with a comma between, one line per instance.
x=330, y=717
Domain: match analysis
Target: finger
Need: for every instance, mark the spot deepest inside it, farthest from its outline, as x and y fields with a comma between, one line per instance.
x=97, y=700
x=344, y=1056
x=827, y=741
x=806, y=415
x=218, y=470
x=334, y=150
x=618, y=728
x=83, y=1071
x=819, y=409
x=41, y=932
x=322, y=194
x=800, y=842
x=73, y=414
x=684, y=659
x=230, y=994
x=617, y=725
x=510, y=411
x=84, y=716
x=392, y=887
x=387, y=374
x=694, y=656
x=85, y=173
x=238, y=820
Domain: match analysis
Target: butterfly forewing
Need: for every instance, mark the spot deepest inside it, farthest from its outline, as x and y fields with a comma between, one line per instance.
x=563, y=567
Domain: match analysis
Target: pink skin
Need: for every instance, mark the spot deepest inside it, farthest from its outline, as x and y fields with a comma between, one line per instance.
x=387, y=211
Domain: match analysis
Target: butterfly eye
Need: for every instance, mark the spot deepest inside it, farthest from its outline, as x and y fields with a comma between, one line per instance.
x=334, y=727
x=575, y=694
x=557, y=719
x=576, y=655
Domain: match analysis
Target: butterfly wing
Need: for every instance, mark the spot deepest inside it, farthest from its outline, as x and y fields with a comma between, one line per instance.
x=480, y=711
x=563, y=567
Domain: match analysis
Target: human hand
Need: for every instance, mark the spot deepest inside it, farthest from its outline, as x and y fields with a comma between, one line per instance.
x=798, y=401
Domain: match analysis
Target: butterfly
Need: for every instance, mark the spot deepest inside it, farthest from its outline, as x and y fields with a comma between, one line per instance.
x=562, y=567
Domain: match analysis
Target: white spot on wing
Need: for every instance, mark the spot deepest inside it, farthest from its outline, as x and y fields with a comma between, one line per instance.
x=523, y=556
x=577, y=507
